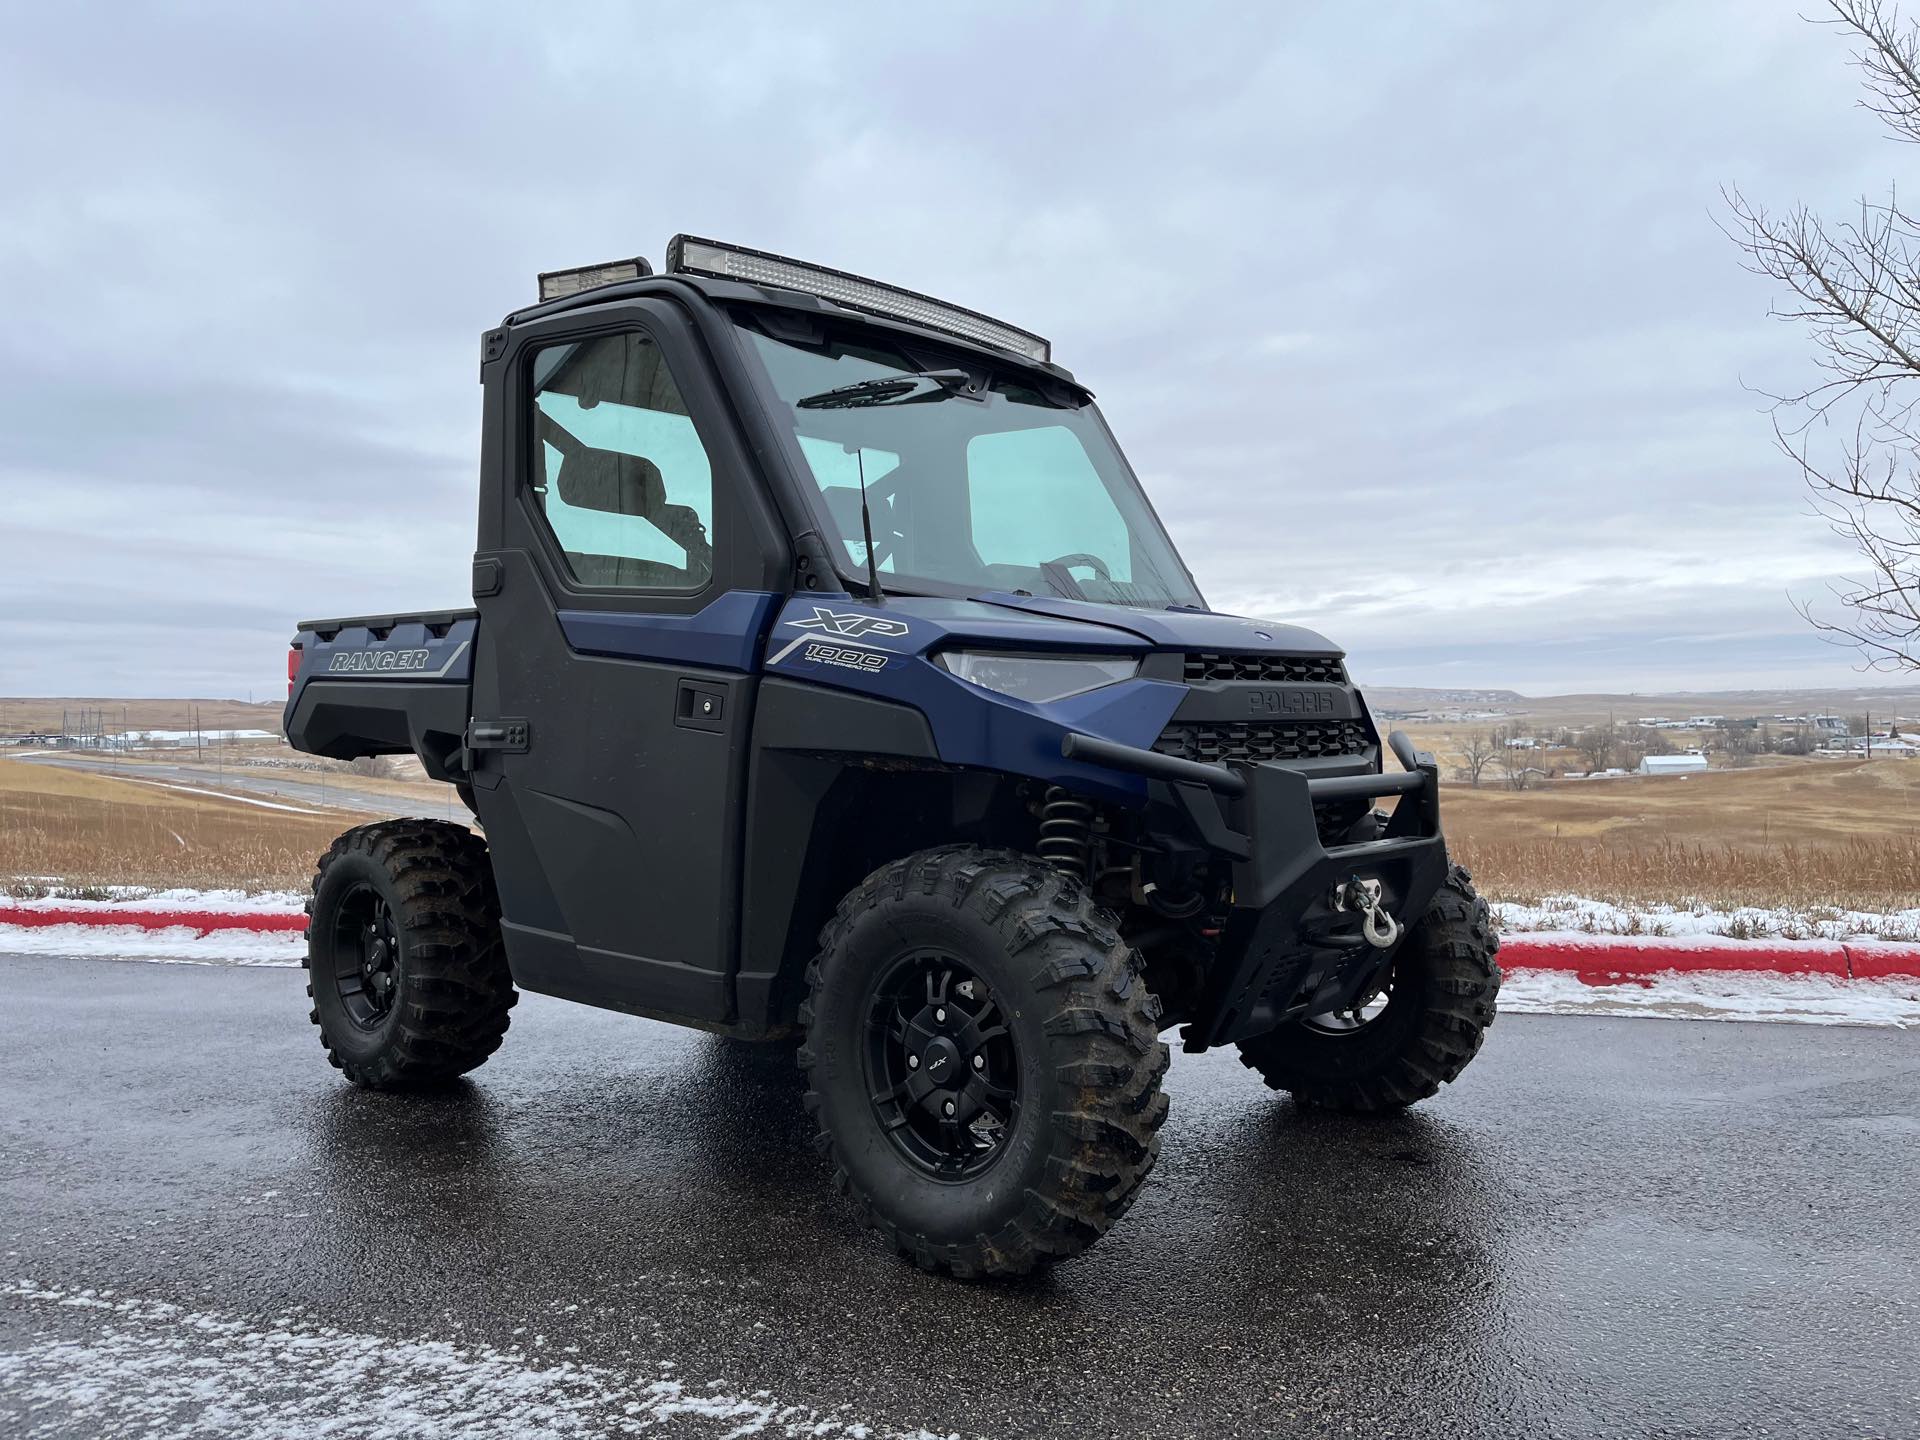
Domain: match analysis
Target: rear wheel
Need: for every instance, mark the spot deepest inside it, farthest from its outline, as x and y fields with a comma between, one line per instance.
x=1417, y=1033
x=982, y=1060
x=405, y=964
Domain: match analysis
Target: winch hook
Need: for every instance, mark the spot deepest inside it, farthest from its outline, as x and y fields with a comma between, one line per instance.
x=1376, y=922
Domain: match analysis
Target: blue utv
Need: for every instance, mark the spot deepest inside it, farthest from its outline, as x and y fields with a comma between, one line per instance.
x=830, y=675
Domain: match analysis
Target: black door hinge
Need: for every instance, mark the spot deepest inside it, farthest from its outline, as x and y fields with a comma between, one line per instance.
x=512, y=736
x=492, y=346
x=487, y=575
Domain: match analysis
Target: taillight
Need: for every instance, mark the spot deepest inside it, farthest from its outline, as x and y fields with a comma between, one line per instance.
x=293, y=668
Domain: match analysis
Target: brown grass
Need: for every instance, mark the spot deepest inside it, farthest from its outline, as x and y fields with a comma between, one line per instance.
x=1813, y=835
x=1810, y=835
x=82, y=829
x=1855, y=875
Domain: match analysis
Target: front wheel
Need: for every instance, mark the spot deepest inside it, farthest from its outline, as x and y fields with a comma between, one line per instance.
x=1417, y=1033
x=982, y=1060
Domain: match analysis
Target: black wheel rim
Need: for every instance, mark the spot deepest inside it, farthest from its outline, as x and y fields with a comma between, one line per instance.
x=366, y=955
x=1366, y=1010
x=941, y=1067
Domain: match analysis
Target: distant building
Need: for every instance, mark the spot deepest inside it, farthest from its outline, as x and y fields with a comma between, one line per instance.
x=1672, y=764
x=1828, y=724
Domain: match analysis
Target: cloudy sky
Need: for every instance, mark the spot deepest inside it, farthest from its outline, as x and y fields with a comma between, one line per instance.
x=1418, y=326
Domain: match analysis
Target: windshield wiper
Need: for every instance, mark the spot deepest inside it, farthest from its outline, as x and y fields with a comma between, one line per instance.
x=890, y=390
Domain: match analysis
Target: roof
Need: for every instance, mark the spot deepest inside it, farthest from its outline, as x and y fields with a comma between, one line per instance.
x=1655, y=764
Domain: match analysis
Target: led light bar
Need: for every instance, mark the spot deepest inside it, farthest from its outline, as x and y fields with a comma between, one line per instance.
x=555, y=283
x=690, y=255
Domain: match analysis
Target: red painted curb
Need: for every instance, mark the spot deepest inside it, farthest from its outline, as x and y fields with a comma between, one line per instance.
x=1601, y=956
x=1879, y=960
x=205, y=921
x=1596, y=959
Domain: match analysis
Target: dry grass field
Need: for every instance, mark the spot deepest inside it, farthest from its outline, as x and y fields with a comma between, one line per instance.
x=1809, y=834
x=80, y=829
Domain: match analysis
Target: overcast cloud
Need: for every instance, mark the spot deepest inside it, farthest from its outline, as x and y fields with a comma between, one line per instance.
x=1414, y=319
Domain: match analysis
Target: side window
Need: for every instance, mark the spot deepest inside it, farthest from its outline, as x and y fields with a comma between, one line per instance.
x=1034, y=496
x=619, y=473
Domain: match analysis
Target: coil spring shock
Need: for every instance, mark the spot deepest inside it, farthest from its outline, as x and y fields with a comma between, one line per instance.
x=1066, y=832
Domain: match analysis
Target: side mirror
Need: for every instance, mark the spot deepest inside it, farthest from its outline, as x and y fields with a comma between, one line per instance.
x=607, y=481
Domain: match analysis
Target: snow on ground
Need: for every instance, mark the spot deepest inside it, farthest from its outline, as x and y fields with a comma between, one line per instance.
x=47, y=895
x=1576, y=913
x=177, y=944
x=1718, y=995
x=180, y=944
x=130, y=1366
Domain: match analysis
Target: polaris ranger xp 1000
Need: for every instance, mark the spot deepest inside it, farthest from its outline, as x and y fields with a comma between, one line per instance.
x=829, y=673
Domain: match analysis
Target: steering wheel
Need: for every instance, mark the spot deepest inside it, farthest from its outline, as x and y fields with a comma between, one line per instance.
x=1080, y=557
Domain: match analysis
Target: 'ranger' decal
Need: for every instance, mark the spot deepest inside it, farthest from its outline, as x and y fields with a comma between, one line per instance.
x=410, y=661
x=365, y=660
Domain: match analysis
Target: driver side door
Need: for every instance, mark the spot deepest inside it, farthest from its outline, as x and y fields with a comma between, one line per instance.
x=617, y=670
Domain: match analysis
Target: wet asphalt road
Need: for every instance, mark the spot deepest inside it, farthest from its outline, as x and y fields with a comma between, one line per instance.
x=1608, y=1227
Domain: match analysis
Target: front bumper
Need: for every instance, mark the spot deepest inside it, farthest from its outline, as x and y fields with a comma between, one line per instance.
x=1286, y=951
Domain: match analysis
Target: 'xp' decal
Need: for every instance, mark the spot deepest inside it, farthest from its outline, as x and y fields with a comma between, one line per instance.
x=852, y=626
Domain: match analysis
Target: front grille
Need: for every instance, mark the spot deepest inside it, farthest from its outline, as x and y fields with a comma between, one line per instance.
x=1202, y=666
x=1251, y=741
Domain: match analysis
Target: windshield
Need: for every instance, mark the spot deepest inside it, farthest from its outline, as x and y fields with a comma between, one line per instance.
x=974, y=479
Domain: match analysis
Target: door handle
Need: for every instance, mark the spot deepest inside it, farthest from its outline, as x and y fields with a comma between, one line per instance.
x=700, y=705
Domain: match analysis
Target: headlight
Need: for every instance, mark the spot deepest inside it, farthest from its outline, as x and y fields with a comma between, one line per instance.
x=1037, y=678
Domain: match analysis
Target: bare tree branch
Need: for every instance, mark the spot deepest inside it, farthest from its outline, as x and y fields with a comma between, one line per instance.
x=1854, y=434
